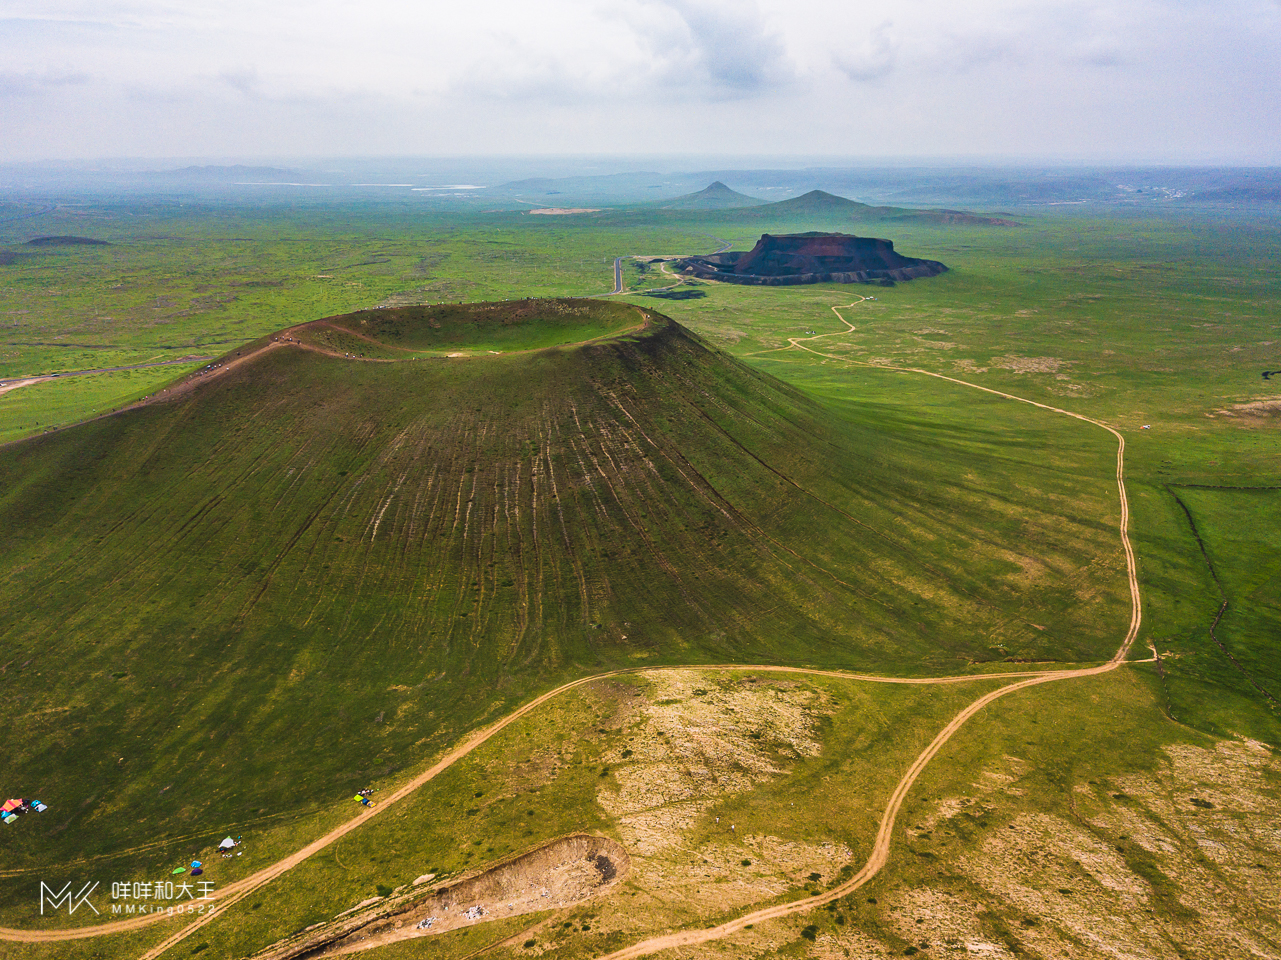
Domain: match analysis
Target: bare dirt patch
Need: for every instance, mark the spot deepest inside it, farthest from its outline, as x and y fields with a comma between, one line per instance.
x=848, y=944
x=694, y=743
x=557, y=874
x=6, y=386
x=936, y=344
x=943, y=923
x=1154, y=865
x=1263, y=411
x=698, y=742
x=1030, y=364
x=714, y=877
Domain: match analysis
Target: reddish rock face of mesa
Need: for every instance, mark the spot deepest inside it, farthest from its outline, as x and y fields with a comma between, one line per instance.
x=813, y=258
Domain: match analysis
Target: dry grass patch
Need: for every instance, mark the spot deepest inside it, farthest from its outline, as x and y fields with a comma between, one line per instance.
x=1030, y=364
x=1153, y=865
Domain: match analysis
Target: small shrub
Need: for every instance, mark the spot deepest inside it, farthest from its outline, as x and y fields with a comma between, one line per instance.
x=383, y=890
x=810, y=933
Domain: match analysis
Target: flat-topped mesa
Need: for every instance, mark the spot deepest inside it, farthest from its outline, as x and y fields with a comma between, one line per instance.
x=812, y=258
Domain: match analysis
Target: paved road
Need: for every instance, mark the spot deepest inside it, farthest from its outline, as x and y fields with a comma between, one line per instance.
x=618, y=266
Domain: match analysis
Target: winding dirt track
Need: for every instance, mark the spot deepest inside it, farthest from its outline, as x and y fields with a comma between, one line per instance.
x=231, y=894
x=884, y=835
x=236, y=891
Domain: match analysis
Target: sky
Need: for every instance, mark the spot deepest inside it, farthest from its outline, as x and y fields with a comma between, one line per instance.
x=1116, y=81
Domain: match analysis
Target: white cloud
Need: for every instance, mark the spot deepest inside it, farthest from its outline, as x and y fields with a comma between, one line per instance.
x=28, y=84
x=869, y=57
x=735, y=52
x=1161, y=78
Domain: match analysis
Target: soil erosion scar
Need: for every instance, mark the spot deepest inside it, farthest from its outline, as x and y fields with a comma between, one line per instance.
x=554, y=875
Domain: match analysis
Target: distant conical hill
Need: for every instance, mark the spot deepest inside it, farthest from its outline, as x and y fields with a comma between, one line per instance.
x=821, y=202
x=717, y=196
x=332, y=551
x=821, y=206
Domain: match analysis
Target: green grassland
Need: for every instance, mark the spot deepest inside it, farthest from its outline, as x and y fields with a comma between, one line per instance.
x=230, y=609
x=1217, y=672
x=294, y=577
x=546, y=778
x=1075, y=795
x=50, y=404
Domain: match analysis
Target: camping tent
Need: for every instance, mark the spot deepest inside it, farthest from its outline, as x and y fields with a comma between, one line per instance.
x=227, y=844
x=10, y=805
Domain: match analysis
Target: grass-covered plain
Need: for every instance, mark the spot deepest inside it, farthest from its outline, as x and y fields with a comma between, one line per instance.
x=294, y=577
x=293, y=581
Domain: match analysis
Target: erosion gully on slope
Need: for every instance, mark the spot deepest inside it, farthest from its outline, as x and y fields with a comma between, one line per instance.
x=880, y=849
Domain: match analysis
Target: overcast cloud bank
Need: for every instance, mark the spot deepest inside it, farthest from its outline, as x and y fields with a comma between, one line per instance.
x=1186, y=81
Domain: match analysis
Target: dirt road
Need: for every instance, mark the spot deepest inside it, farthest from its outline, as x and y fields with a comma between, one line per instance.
x=7, y=385
x=234, y=892
x=881, y=847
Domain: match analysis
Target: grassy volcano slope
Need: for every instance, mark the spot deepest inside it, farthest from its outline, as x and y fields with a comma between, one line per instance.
x=308, y=572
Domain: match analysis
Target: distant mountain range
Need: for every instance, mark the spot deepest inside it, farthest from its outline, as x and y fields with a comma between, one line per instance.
x=818, y=204
x=1237, y=195
x=228, y=174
